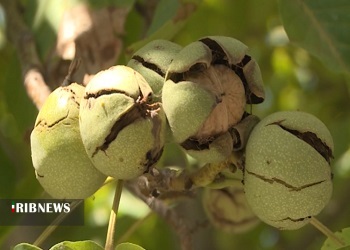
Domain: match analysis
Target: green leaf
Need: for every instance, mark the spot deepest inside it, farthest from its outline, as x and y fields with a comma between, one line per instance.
x=343, y=235
x=77, y=245
x=321, y=27
x=166, y=9
x=114, y=3
x=26, y=246
x=128, y=246
x=170, y=27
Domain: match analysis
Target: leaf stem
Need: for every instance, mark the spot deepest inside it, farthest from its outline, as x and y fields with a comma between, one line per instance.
x=113, y=217
x=325, y=230
x=133, y=228
x=48, y=230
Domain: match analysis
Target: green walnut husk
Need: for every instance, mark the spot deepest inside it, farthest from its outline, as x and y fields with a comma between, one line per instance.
x=212, y=151
x=121, y=127
x=206, y=91
x=205, y=103
x=61, y=164
x=227, y=208
x=152, y=62
x=287, y=174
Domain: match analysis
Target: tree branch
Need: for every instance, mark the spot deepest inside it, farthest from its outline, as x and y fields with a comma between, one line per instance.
x=173, y=219
x=21, y=37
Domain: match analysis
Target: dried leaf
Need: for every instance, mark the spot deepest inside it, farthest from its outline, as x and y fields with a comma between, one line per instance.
x=91, y=35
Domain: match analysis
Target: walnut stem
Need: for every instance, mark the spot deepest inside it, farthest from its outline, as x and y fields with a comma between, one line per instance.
x=20, y=35
x=113, y=217
x=182, y=180
x=206, y=174
x=325, y=230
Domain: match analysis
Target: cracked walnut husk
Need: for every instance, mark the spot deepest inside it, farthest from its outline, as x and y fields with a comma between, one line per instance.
x=61, y=164
x=121, y=127
x=206, y=90
x=287, y=175
x=152, y=62
x=227, y=208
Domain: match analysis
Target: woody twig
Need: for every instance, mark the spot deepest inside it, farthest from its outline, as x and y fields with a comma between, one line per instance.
x=21, y=37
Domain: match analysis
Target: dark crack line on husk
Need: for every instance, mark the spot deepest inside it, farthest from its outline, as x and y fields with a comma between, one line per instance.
x=104, y=92
x=220, y=57
x=155, y=153
x=287, y=185
x=238, y=69
x=43, y=123
x=197, y=68
x=137, y=111
x=294, y=220
x=218, y=54
x=149, y=65
x=152, y=158
x=311, y=139
x=73, y=95
x=140, y=110
x=195, y=144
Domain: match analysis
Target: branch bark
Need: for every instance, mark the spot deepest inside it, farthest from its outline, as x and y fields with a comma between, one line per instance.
x=21, y=37
x=173, y=219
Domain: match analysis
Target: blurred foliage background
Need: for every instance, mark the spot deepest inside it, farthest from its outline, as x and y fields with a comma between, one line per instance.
x=296, y=73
